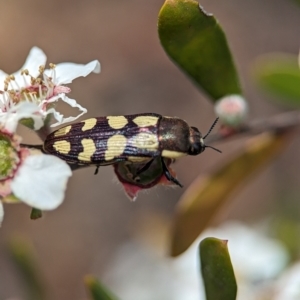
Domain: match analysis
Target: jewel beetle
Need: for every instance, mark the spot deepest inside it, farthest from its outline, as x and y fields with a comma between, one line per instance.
x=137, y=138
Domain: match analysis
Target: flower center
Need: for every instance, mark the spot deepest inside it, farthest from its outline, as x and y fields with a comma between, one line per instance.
x=9, y=157
x=25, y=87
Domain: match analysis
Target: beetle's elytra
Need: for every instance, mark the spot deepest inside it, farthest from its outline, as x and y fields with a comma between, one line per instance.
x=136, y=138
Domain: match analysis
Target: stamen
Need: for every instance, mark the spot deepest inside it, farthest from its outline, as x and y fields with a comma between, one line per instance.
x=6, y=83
x=13, y=83
x=53, y=66
x=16, y=99
x=33, y=97
x=26, y=97
x=25, y=72
x=40, y=90
x=25, y=79
x=33, y=80
x=48, y=84
x=41, y=69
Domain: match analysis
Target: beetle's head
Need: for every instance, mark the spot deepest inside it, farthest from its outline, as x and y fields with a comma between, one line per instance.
x=197, y=144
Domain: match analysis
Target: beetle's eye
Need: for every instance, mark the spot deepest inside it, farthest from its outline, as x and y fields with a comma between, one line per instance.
x=196, y=142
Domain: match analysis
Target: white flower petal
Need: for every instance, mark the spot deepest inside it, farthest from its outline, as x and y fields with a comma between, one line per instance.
x=2, y=76
x=1, y=213
x=254, y=256
x=41, y=181
x=22, y=110
x=34, y=60
x=59, y=117
x=288, y=286
x=67, y=72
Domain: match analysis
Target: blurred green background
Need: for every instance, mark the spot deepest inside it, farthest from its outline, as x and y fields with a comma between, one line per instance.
x=96, y=218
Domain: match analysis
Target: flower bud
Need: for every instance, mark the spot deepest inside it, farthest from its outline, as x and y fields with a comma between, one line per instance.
x=232, y=110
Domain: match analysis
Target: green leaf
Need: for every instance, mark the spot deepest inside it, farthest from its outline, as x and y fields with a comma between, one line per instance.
x=22, y=256
x=297, y=1
x=36, y=214
x=206, y=195
x=197, y=44
x=28, y=122
x=97, y=290
x=217, y=270
x=279, y=74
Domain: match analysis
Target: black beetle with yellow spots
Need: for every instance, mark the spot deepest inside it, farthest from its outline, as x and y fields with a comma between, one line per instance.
x=135, y=138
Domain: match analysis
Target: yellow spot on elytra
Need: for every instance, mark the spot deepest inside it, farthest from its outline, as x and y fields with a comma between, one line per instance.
x=115, y=146
x=172, y=154
x=89, y=149
x=137, y=159
x=117, y=122
x=62, y=147
x=144, y=121
x=89, y=124
x=62, y=131
x=145, y=140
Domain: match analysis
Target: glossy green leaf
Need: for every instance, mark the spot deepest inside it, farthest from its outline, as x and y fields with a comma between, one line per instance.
x=22, y=256
x=279, y=74
x=217, y=270
x=195, y=41
x=206, y=195
x=97, y=290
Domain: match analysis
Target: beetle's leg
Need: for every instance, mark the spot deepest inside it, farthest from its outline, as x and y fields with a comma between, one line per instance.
x=97, y=169
x=168, y=174
x=145, y=167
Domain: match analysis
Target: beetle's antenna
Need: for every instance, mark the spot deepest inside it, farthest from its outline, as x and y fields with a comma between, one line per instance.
x=211, y=128
x=209, y=131
x=206, y=146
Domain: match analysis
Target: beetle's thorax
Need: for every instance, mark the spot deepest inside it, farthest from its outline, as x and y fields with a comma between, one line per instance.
x=173, y=136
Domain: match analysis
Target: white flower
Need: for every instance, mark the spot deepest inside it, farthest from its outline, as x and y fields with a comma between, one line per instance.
x=27, y=175
x=288, y=285
x=151, y=276
x=44, y=87
x=9, y=120
x=256, y=260
x=41, y=181
x=254, y=256
x=232, y=110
